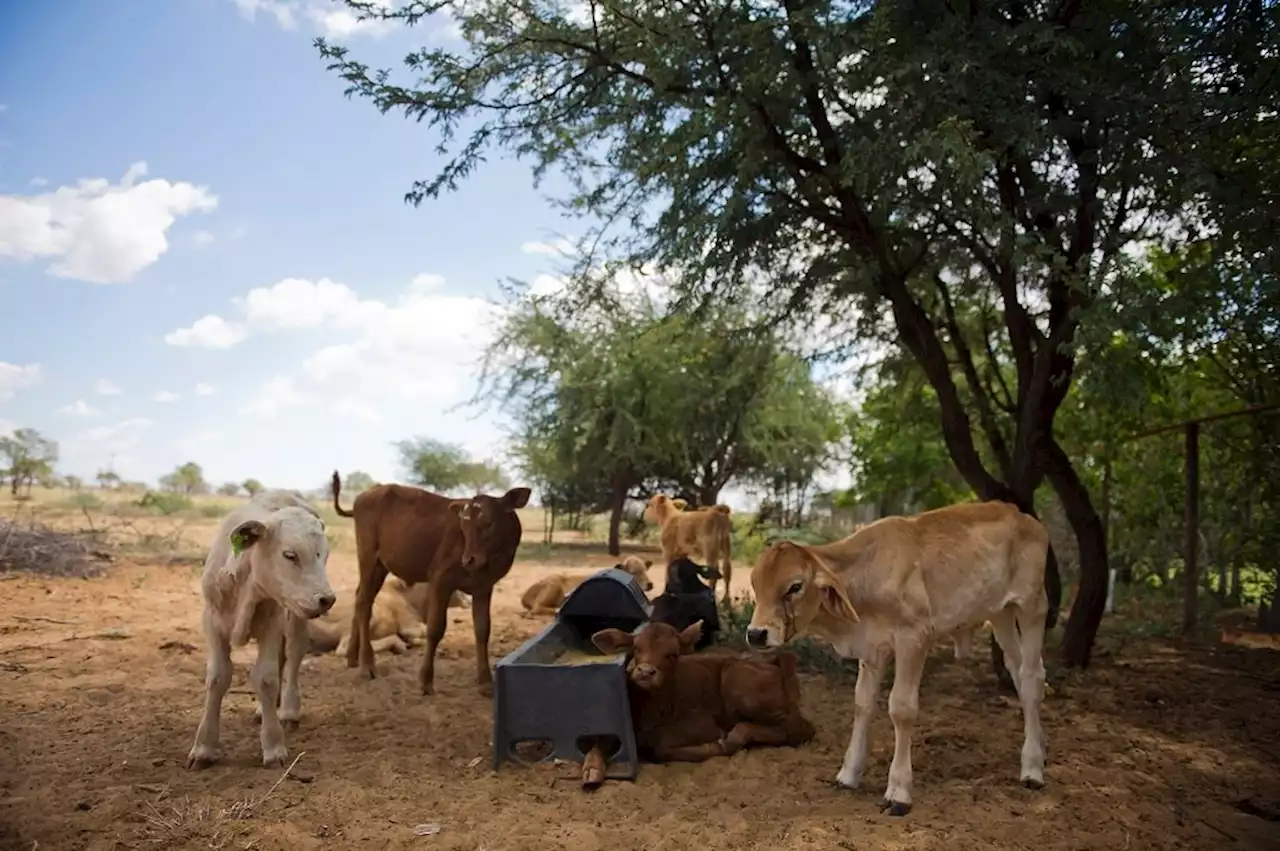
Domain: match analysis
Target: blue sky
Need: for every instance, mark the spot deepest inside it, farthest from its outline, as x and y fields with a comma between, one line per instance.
x=205, y=254
x=168, y=161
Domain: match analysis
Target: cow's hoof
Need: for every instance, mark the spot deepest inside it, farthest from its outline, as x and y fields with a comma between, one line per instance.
x=275, y=758
x=1032, y=783
x=199, y=759
x=368, y=673
x=428, y=689
x=841, y=783
x=894, y=808
x=485, y=689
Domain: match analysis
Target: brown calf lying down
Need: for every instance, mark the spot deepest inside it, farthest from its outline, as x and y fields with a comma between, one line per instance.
x=693, y=707
x=545, y=596
x=451, y=544
x=705, y=535
x=893, y=588
x=263, y=579
x=398, y=621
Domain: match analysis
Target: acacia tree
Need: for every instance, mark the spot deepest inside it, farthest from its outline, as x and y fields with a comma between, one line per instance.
x=30, y=455
x=850, y=156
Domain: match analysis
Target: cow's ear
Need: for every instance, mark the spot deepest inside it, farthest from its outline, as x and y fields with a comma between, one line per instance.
x=612, y=640
x=246, y=535
x=648, y=562
x=516, y=498
x=459, y=507
x=689, y=636
x=680, y=503
x=834, y=599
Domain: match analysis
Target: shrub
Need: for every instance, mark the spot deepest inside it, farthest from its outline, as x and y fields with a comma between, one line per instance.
x=812, y=656
x=164, y=503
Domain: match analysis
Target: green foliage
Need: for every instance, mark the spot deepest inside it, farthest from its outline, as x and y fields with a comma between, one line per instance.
x=85, y=501
x=187, y=479
x=628, y=399
x=165, y=502
x=750, y=538
x=253, y=487
x=215, y=509
x=74, y=483
x=107, y=479
x=355, y=482
x=228, y=489
x=28, y=457
x=445, y=467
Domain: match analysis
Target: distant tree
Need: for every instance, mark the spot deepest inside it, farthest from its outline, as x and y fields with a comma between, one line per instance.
x=108, y=479
x=355, y=482
x=253, y=487
x=481, y=476
x=187, y=480
x=229, y=489
x=74, y=483
x=30, y=457
x=431, y=463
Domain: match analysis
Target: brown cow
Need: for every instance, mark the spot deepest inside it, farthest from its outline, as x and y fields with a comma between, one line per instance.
x=453, y=544
x=690, y=708
x=705, y=534
x=545, y=596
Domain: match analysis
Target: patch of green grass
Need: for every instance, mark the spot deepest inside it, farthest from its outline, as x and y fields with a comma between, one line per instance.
x=811, y=656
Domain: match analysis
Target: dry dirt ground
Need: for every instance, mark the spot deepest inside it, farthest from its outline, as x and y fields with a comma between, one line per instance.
x=1156, y=747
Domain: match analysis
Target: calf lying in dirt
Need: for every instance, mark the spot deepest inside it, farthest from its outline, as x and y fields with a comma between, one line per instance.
x=690, y=708
x=264, y=578
x=398, y=622
x=545, y=596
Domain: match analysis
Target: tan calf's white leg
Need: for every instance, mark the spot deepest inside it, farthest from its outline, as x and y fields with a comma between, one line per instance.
x=904, y=705
x=1031, y=694
x=866, y=693
x=217, y=680
x=266, y=682
x=295, y=648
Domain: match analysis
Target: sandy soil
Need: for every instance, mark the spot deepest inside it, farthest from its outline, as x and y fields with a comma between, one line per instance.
x=1156, y=747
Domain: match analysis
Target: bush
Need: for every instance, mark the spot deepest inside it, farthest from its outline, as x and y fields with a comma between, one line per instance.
x=85, y=501
x=214, y=510
x=750, y=540
x=164, y=503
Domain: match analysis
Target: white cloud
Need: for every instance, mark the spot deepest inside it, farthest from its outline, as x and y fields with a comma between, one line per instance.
x=427, y=281
x=7, y=427
x=351, y=409
x=106, y=388
x=39, y=181
x=281, y=10
x=203, y=389
x=298, y=303
x=559, y=248
x=166, y=396
x=78, y=408
x=331, y=18
x=276, y=395
x=15, y=377
x=202, y=239
x=208, y=332
x=97, y=231
x=94, y=447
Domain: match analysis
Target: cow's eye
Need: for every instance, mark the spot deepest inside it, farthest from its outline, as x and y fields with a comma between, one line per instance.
x=291, y=556
x=795, y=588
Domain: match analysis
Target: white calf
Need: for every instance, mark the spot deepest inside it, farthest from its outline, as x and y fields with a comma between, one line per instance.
x=264, y=579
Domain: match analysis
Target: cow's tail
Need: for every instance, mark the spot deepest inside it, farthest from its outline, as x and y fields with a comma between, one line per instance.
x=337, y=489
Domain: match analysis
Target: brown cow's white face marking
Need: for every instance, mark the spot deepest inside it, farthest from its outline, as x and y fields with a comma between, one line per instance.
x=478, y=518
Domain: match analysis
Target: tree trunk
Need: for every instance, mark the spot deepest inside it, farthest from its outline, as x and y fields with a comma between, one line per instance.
x=1091, y=600
x=708, y=496
x=615, y=519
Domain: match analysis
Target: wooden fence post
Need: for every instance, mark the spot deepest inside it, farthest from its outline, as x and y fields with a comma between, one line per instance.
x=1191, y=567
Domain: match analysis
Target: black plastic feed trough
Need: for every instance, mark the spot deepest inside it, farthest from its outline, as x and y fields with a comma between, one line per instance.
x=558, y=689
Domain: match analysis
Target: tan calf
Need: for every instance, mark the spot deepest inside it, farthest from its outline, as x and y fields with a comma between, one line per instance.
x=705, y=535
x=893, y=588
x=398, y=621
x=545, y=596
